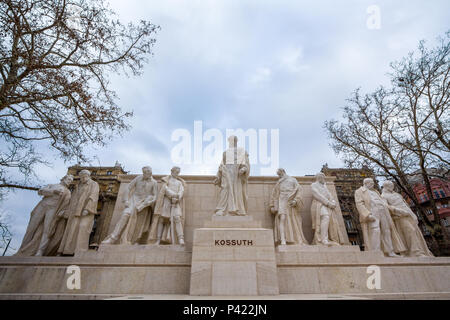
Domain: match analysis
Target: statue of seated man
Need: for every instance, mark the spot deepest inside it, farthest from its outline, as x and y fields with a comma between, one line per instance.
x=134, y=223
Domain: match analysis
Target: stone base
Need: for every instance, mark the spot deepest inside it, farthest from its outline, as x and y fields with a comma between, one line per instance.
x=231, y=261
x=309, y=248
x=112, y=270
x=232, y=222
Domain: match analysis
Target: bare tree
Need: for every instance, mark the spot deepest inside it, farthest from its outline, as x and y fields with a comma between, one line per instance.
x=55, y=59
x=5, y=234
x=404, y=129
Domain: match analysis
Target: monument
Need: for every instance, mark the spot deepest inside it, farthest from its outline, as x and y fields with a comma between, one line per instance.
x=225, y=235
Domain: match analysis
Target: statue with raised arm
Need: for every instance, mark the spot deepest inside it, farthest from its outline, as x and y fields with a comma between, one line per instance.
x=81, y=214
x=327, y=222
x=45, y=218
x=232, y=178
x=406, y=222
x=134, y=223
x=285, y=203
x=168, y=219
x=379, y=231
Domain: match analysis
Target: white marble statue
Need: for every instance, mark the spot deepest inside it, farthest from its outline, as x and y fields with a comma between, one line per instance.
x=168, y=219
x=327, y=222
x=285, y=203
x=43, y=230
x=232, y=178
x=81, y=213
x=134, y=223
x=379, y=231
x=406, y=222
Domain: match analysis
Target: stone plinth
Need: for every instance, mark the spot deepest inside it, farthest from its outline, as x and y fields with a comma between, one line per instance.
x=231, y=260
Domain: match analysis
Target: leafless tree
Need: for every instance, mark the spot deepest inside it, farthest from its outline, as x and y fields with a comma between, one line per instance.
x=5, y=234
x=55, y=59
x=402, y=130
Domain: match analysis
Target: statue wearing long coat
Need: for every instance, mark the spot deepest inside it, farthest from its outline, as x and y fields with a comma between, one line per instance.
x=285, y=191
x=337, y=233
x=79, y=227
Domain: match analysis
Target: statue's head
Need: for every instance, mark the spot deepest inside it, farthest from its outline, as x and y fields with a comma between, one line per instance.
x=67, y=179
x=232, y=141
x=147, y=172
x=85, y=175
x=320, y=177
x=175, y=171
x=281, y=172
x=369, y=183
x=388, y=186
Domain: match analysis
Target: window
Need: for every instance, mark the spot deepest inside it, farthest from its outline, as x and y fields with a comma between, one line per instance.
x=442, y=193
x=109, y=173
x=445, y=222
x=436, y=194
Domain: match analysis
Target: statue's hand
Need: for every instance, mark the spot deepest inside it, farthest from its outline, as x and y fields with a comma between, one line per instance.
x=216, y=181
x=273, y=210
x=371, y=218
x=293, y=203
x=332, y=205
x=84, y=213
x=57, y=192
x=243, y=171
x=174, y=200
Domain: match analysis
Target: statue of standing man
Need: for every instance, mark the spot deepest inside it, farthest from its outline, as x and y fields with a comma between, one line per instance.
x=406, y=222
x=232, y=178
x=134, y=224
x=81, y=213
x=327, y=222
x=168, y=220
x=45, y=217
x=285, y=203
x=378, y=228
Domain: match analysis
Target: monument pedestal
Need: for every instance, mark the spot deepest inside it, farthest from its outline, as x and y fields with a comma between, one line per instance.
x=233, y=256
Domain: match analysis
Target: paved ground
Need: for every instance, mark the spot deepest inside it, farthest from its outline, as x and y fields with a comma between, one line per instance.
x=379, y=296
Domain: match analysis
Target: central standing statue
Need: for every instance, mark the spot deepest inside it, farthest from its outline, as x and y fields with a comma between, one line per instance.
x=232, y=178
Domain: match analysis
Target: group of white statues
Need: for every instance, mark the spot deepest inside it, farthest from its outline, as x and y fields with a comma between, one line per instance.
x=62, y=222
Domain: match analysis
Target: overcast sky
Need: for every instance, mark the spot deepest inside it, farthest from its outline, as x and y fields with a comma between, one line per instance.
x=286, y=65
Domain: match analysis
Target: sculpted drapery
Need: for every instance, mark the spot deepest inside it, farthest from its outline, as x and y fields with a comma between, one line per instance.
x=232, y=178
x=168, y=218
x=323, y=206
x=379, y=230
x=286, y=200
x=46, y=225
x=81, y=213
x=406, y=222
